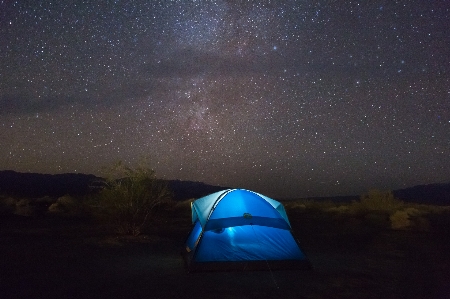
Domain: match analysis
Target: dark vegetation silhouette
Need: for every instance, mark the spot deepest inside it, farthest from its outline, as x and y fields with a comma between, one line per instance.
x=35, y=185
x=377, y=245
x=128, y=198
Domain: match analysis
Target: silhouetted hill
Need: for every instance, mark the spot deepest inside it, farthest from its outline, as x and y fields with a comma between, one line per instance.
x=187, y=189
x=432, y=194
x=34, y=185
x=435, y=194
x=38, y=185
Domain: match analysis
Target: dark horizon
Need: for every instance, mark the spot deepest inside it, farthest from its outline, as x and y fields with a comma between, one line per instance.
x=37, y=185
x=288, y=99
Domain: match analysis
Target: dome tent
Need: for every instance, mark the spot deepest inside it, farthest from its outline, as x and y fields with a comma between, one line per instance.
x=238, y=229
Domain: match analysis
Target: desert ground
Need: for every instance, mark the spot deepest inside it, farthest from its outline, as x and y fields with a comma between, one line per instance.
x=55, y=255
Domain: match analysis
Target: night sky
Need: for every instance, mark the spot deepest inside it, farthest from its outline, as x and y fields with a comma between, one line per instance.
x=286, y=98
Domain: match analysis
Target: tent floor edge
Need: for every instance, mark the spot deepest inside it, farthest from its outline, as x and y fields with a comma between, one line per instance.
x=245, y=266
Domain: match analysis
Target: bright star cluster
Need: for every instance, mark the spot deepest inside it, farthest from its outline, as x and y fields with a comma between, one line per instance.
x=287, y=98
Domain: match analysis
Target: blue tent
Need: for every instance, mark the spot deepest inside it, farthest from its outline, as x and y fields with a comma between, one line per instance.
x=238, y=229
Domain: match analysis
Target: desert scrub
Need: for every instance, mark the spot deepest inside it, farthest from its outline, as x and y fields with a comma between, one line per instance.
x=68, y=205
x=129, y=196
x=7, y=205
x=409, y=218
x=310, y=205
x=376, y=200
x=24, y=207
x=400, y=220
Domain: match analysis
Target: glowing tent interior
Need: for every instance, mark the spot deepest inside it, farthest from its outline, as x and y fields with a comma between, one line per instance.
x=238, y=229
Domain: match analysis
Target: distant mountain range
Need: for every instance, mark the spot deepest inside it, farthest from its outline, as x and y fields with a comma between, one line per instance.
x=434, y=194
x=38, y=185
x=35, y=185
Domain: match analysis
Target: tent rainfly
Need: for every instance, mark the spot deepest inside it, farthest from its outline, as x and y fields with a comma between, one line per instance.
x=238, y=229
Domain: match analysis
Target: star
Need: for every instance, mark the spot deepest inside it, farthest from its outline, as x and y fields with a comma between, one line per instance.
x=290, y=99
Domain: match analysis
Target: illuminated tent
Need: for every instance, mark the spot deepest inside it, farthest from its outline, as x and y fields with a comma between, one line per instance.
x=239, y=229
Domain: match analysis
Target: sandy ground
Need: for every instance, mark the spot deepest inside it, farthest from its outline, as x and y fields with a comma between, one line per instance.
x=62, y=257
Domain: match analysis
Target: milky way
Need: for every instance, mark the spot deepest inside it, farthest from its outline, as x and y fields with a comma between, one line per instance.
x=287, y=98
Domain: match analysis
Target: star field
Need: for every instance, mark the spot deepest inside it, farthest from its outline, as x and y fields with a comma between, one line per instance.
x=286, y=98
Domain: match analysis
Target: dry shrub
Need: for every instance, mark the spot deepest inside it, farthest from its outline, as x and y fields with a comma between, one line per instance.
x=55, y=208
x=413, y=211
x=129, y=197
x=409, y=218
x=292, y=205
x=24, y=208
x=376, y=200
x=7, y=205
x=400, y=220
x=309, y=204
x=185, y=204
x=418, y=221
x=67, y=205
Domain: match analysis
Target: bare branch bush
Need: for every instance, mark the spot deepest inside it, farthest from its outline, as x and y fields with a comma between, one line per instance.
x=129, y=196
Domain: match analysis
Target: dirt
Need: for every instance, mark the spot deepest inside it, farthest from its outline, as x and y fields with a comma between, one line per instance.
x=66, y=257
